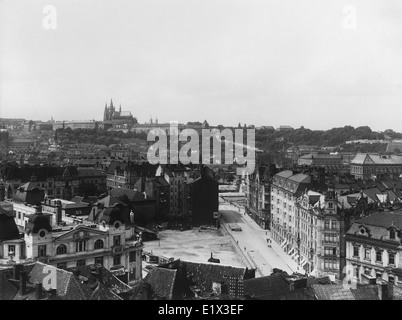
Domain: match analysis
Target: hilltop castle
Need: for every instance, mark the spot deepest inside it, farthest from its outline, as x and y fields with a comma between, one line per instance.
x=113, y=117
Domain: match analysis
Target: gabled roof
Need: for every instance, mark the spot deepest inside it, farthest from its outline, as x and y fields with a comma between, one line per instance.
x=162, y=282
x=377, y=159
x=79, y=227
x=131, y=195
x=383, y=219
x=271, y=287
x=109, y=280
x=202, y=275
x=8, y=290
x=332, y=292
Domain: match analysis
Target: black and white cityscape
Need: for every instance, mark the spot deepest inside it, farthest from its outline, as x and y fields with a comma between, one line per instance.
x=207, y=151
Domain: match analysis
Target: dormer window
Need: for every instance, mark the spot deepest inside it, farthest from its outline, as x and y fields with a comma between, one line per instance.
x=392, y=234
x=330, y=205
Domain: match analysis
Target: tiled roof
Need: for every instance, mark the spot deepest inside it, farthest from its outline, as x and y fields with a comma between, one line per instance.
x=8, y=290
x=332, y=292
x=377, y=159
x=113, y=283
x=383, y=219
x=202, y=275
x=313, y=280
x=162, y=282
x=300, y=294
x=366, y=292
x=285, y=174
x=271, y=287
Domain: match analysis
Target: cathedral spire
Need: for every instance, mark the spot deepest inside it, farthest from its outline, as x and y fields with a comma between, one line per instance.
x=111, y=103
x=120, y=108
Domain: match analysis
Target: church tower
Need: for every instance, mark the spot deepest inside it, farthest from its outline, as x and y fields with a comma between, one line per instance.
x=105, y=113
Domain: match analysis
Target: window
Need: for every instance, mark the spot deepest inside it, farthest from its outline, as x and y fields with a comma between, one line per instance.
x=11, y=249
x=391, y=258
x=80, y=246
x=99, y=260
x=98, y=244
x=392, y=234
x=132, y=256
x=367, y=254
x=326, y=224
x=62, y=265
x=116, y=259
x=355, y=251
x=330, y=205
x=116, y=240
x=61, y=249
x=378, y=256
x=42, y=251
x=81, y=263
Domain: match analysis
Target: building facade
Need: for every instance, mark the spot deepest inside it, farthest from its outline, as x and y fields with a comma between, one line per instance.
x=43, y=237
x=366, y=166
x=258, y=195
x=373, y=247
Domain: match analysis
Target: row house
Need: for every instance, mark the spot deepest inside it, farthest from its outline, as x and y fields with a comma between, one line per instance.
x=285, y=189
x=373, y=248
x=59, y=182
x=122, y=174
x=176, y=176
x=320, y=226
x=258, y=196
x=308, y=225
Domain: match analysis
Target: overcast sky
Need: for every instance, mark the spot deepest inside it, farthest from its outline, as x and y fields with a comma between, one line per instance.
x=261, y=62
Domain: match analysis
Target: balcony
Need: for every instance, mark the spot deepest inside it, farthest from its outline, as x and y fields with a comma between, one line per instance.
x=116, y=249
x=330, y=243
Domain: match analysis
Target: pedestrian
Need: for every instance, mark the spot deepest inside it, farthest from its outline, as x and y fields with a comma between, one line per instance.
x=244, y=248
x=237, y=241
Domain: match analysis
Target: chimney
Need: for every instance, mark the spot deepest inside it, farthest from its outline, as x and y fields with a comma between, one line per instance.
x=23, y=282
x=100, y=274
x=38, y=291
x=146, y=292
x=59, y=217
x=52, y=293
x=17, y=270
x=390, y=290
x=2, y=192
x=383, y=290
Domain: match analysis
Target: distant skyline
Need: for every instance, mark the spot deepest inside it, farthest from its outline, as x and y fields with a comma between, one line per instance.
x=260, y=62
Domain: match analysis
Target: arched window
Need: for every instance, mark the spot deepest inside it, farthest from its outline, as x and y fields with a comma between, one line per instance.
x=98, y=244
x=61, y=249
